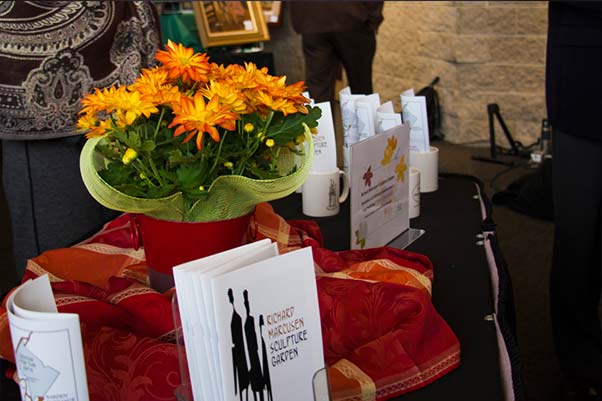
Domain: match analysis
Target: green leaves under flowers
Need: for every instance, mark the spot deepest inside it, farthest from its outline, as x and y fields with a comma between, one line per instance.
x=285, y=129
x=165, y=165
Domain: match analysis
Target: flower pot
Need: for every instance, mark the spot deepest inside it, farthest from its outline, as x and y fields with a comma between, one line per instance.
x=169, y=243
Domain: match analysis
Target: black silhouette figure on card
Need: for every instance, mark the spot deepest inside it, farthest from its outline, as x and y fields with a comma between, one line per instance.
x=266, y=366
x=239, y=358
x=255, y=373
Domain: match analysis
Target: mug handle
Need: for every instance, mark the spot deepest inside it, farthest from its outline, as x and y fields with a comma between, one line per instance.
x=345, y=193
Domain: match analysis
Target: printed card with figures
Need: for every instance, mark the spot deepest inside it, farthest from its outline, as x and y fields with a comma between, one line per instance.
x=251, y=324
x=379, y=188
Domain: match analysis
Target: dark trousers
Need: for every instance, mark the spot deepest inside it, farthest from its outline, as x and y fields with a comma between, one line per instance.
x=48, y=204
x=577, y=264
x=324, y=52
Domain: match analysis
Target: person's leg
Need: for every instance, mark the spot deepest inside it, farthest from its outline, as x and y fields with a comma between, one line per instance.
x=576, y=270
x=321, y=64
x=356, y=50
x=47, y=201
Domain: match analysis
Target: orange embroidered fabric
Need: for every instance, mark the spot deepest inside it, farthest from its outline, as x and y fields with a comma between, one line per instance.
x=381, y=334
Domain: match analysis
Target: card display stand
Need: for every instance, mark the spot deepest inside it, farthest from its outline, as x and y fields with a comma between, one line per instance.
x=184, y=391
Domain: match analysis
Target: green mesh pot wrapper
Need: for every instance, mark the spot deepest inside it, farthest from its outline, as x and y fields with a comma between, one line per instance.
x=229, y=196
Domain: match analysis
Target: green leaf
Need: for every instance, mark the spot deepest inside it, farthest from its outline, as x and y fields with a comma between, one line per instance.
x=188, y=176
x=148, y=146
x=117, y=173
x=285, y=129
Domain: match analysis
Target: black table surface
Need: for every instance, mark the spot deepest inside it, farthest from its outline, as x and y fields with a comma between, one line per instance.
x=461, y=288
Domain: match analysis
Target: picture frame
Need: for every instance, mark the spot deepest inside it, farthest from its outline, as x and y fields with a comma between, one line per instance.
x=272, y=12
x=226, y=23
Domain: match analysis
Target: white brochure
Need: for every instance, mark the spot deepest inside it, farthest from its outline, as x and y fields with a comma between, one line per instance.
x=349, y=121
x=365, y=109
x=380, y=186
x=48, y=345
x=325, y=147
x=386, y=118
x=414, y=113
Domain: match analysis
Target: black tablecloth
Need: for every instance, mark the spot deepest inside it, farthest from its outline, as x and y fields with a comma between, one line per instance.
x=462, y=291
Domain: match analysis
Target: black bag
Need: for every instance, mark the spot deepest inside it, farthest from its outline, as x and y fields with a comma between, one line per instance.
x=531, y=194
x=433, y=109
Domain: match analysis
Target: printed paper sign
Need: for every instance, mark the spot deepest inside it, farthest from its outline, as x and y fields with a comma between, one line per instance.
x=386, y=118
x=414, y=113
x=325, y=148
x=379, y=190
x=365, y=109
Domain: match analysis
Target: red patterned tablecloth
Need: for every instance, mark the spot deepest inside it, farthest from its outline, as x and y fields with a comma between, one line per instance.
x=382, y=336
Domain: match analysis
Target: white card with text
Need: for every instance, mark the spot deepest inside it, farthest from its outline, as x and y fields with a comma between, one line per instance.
x=325, y=147
x=380, y=187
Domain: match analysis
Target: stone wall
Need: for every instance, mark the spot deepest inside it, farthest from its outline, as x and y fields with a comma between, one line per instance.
x=483, y=52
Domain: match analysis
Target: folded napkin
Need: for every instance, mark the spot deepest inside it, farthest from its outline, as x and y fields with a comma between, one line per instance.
x=382, y=336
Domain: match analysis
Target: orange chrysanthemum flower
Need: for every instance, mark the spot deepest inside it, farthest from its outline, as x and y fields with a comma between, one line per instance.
x=100, y=100
x=92, y=126
x=130, y=105
x=221, y=73
x=154, y=87
x=265, y=100
x=182, y=63
x=227, y=95
x=196, y=117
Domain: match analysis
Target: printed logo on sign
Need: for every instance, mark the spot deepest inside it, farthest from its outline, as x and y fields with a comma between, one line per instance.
x=332, y=196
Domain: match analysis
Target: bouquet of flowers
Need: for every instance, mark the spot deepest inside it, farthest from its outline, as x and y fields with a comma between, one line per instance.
x=191, y=140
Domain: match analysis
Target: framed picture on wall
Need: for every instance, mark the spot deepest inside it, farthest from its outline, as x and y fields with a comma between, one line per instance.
x=271, y=12
x=225, y=23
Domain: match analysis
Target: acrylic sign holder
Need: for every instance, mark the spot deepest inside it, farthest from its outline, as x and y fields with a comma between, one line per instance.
x=184, y=391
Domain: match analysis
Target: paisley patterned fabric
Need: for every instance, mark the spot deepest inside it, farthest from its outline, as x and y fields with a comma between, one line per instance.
x=381, y=334
x=54, y=52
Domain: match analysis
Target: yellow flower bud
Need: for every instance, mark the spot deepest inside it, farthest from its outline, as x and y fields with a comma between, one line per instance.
x=313, y=130
x=249, y=127
x=228, y=165
x=201, y=188
x=260, y=135
x=129, y=156
x=142, y=176
x=269, y=143
x=300, y=139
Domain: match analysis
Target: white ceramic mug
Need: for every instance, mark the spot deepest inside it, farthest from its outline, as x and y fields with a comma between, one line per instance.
x=322, y=193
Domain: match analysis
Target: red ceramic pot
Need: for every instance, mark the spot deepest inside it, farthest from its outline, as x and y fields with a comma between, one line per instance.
x=169, y=243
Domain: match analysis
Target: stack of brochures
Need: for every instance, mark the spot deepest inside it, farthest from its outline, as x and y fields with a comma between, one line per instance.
x=251, y=324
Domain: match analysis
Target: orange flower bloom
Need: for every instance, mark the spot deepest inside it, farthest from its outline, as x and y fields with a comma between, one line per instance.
x=196, y=117
x=130, y=105
x=265, y=100
x=221, y=73
x=100, y=100
x=93, y=126
x=228, y=95
x=181, y=62
x=154, y=87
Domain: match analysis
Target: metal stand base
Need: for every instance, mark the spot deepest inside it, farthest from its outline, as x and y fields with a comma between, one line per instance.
x=406, y=238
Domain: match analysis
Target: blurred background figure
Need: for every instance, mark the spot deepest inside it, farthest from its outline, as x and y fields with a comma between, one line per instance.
x=337, y=33
x=53, y=53
x=574, y=102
